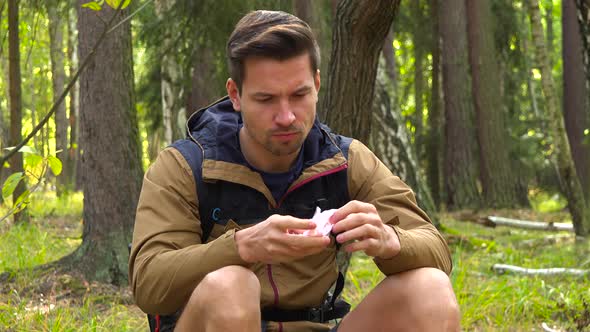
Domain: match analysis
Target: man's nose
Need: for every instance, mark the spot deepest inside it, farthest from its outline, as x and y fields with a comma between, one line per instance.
x=285, y=116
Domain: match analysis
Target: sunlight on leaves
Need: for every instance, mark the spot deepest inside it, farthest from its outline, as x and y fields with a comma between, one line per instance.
x=115, y=3
x=55, y=165
x=11, y=183
x=96, y=6
x=25, y=149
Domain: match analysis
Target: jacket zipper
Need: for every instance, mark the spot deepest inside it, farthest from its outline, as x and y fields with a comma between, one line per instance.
x=299, y=185
x=317, y=176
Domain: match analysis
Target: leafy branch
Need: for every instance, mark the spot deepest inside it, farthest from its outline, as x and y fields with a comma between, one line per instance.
x=35, y=167
x=85, y=62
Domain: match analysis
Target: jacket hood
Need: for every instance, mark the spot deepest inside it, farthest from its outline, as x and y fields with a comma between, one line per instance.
x=216, y=129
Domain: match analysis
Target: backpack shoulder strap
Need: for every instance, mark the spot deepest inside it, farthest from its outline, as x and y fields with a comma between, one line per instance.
x=193, y=154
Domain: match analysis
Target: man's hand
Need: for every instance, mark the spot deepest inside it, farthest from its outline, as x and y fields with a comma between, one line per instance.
x=359, y=222
x=279, y=239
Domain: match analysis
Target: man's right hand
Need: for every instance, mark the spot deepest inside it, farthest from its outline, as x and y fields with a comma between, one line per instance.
x=278, y=239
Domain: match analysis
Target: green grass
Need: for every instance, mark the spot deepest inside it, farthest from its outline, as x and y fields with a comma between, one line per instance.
x=493, y=302
x=35, y=301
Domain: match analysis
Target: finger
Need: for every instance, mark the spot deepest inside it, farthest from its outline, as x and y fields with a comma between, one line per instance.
x=358, y=233
x=351, y=207
x=369, y=246
x=291, y=223
x=356, y=220
x=303, y=243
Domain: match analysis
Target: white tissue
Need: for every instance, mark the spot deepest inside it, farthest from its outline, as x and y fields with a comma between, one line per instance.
x=322, y=221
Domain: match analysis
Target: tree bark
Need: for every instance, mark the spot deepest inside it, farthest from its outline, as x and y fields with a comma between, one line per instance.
x=73, y=156
x=550, y=30
x=359, y=31
x=527, y=224
x=500, y=185
x=111, y=158
x=202, y=91
x=389, y=56
x=353, y=69
x=584, y=20
x=576, y=105
x=419, y=54
x=305, y=11
x=58, y=77
x=16, y=162
x=173, y=112
x=390, y=142
x=569, y=180
x=503, y=268
x=319, y=15
x=460, y=162
x=434, y=146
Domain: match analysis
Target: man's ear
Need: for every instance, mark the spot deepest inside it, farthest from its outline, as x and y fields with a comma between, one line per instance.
x=316, y=80
x=233, y=93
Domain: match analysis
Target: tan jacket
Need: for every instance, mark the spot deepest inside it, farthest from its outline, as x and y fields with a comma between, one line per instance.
x=168, y=259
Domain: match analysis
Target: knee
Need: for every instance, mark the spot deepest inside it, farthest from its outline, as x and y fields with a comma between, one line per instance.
x=231, y=290
x=428, y=290
x=229, y=280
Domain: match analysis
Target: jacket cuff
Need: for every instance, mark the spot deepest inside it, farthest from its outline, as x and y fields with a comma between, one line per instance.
x=226, y=250
x=405, y=260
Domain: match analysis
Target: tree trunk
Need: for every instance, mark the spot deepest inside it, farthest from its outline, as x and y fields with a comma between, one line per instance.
x=58, y=76
x=584, y=20
x=550, y=30
x=305, y=11
x=499, y=183
x=419, y=53
x=111, y=158
x=359, y=31
x=460, y=161
x=576, y=104
x=16, y=162
x=4, y=121
x=70, y=172
x=569, y=180
x=202, y=91
x=173, y=112
x=353, y=69
x=434, y=146
x=390, y=142
x=389, y=57
x=319, y=14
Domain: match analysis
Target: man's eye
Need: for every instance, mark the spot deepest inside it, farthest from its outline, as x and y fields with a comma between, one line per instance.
x=264, y=100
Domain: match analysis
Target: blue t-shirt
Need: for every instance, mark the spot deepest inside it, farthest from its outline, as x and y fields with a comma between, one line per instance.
x=278, y=183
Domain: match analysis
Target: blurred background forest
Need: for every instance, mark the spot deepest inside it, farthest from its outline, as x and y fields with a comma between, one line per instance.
x=482, y=107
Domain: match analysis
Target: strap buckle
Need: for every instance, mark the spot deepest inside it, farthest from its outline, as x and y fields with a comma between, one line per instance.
x=316, y=315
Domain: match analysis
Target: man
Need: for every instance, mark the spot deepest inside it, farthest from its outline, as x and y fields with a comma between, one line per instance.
x=218, y=243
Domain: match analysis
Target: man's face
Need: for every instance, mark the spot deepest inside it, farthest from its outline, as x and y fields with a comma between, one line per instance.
x=278, y=104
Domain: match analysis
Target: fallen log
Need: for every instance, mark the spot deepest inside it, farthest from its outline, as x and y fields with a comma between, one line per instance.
x=527, y=224
x=503, y=268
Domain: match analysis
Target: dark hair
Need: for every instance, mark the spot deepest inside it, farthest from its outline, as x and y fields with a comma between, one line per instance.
x=273, y=34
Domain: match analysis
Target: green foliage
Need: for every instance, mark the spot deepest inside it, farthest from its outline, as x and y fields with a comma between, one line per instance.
x=34, y=301
x=46, y=204
x=547, y=202
x=35, y=168
x=491, y=302
x=10, y=184
x=97, y=5
x=488, y=301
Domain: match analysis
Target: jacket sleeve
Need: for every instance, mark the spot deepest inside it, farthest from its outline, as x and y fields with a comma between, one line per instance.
x=369, y=180
x=167, y=259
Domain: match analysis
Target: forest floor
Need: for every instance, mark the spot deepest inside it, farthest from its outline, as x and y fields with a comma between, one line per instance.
x=33, y=300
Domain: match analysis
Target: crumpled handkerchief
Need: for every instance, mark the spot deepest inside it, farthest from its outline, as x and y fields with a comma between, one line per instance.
x=322, y=221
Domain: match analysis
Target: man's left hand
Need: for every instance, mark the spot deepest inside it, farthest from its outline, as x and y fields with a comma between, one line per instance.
x=360, y=223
